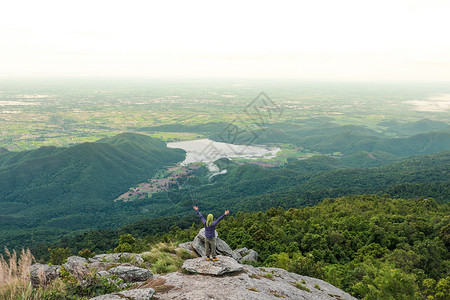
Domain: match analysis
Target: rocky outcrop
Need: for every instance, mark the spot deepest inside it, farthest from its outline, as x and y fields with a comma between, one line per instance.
x=104, y=266
x=221, y=246
x=123, y=257
x=77, y=266
x=124, y=265
x=43, y=274
x=187, y=246
x=241, y=251
x=138, y=294
x=200, y=279
x=131, y=273
x=252, y=256
x=250, y=284
x=223, y=265
x=198, y=244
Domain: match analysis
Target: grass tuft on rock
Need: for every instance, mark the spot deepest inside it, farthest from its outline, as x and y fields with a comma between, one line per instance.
x=301, y=286
x=165, y=259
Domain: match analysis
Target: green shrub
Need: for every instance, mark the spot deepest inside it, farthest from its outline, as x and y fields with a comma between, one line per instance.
x=86, y=253
x=59, y=256
x=90, y=286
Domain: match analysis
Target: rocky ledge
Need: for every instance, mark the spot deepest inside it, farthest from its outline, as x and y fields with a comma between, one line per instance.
x=136, y=294
x=197, y=248
x=199, y=279
x=104, y=265
x=250, y=283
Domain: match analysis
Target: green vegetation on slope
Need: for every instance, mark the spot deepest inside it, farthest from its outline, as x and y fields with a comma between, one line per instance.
x=65, y=189
x=307, y=182
x=373, y=247
x=300, y=183
x=412, y=128
x=245, y=188
x=365, y=245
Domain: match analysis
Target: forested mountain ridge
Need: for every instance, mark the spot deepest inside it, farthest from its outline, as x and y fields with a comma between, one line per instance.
x=8, y=158
x=412, y=128
x=84, y=168
x=72, y=188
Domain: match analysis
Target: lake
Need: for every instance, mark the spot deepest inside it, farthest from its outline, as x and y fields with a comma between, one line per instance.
x=208, y=151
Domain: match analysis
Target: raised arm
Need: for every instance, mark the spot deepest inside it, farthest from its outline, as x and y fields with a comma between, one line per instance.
x=200, y=215
x=220, y=218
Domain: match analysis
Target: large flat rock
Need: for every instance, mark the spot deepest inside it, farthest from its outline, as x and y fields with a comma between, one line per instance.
x=141, y=294
x=224, y=265
x=250, y=284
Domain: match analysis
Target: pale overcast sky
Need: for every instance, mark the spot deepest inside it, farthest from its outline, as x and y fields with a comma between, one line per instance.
x=314, y=39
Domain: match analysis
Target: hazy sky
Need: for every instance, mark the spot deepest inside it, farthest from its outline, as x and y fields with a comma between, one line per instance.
x=314, y=39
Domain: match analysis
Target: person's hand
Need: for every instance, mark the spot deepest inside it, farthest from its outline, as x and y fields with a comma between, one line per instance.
x=195, y=207
x=227, y=212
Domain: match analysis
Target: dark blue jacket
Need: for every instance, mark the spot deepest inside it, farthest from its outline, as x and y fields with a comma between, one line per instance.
x=210, y=231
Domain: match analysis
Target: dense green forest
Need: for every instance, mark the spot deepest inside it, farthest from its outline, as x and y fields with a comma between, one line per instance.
x=374, y=247
x=243, y=187
x=307, y=182
x=50, y=191
x=370, y=246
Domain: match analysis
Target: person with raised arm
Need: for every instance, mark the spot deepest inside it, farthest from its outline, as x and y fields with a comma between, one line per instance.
x=210, y=230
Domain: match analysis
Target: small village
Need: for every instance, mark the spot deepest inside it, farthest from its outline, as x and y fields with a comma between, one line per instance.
x=163, y=182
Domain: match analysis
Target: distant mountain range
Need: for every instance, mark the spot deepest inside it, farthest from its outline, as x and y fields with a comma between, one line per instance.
x=321, y=135
x=411, y=128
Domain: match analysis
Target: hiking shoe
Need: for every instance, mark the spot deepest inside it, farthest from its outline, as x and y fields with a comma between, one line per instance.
x=215, y=259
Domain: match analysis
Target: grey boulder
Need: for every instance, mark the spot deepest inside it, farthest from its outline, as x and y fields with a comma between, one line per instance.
x=251, y=256
x=123, y=257
x=131, y=274
x=77, y=266
x=241, y=251
x=188, y=247
x=221, y=246
x=43, y=274
x=103, y=266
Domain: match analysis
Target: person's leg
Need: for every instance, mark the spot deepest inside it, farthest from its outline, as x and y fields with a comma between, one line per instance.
x=207, y=247
x=213, y=246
